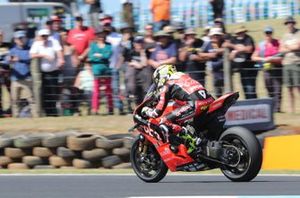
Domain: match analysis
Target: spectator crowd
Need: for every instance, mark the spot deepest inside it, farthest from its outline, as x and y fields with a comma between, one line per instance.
x=76, y=65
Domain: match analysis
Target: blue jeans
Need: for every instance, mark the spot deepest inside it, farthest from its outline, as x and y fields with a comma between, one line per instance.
x=116, y=89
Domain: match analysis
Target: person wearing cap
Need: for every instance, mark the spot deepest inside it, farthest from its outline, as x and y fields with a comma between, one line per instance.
x=138, y=72
x=114, y=39
x=81, y=37
x=54, y=25
x=195, y=53
x=4, y=68
x=99, y=54
x=242, y=47
x=19, y=59
x=161, y=13
x=49, y=51
x=165, y=51
x=217, y=39
x=267, y=56
x=290, y=47
x=205, y=35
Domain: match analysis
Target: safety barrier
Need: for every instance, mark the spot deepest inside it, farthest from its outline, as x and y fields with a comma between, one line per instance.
x=64, y=150
x=282, y=152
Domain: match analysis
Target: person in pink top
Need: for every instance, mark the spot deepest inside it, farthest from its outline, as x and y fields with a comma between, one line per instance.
x=80, y=37
x=269, y=59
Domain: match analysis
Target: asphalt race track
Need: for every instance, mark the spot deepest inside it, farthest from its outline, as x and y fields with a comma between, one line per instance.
x=114, y=186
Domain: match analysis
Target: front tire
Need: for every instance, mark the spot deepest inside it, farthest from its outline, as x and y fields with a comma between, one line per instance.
x=146, y=162
x=250, y=157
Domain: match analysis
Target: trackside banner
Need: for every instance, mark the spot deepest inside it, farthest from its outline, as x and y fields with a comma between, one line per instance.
x=254, y=114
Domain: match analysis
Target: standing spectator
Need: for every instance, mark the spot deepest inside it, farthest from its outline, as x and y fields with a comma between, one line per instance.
x=95, y=9
x=290, y=46
x=85, y=83
x=161, y=13
x=54, y=25
x=242, y=46
x=115, y=61
x=217, y=40
x=179, y=42
x=99, y=55
x=219, y=23
x=205, y=35
x=127, y=12
x=218, y=6
x=80, y=37
x=137, y=70
x=149, y=41
x=126, y=46
x=69, y=72
x=165, y=51
x=20, y=74
x=265, y=55
x=195, y=53
x=4, y=68
x=50, y=53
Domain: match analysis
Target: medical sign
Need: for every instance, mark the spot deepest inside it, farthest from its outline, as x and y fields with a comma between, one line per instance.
x=254, y=114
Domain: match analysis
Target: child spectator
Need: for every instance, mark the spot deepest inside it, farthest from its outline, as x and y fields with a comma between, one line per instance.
x=85, y=83
x=99, y=55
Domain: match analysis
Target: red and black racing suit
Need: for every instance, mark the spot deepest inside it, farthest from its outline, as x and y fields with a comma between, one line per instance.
x=189, y=93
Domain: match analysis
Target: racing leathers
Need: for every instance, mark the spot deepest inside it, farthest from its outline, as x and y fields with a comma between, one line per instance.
x=188, y=94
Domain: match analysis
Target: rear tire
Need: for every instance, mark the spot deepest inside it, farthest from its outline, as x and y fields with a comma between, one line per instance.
x=251, y=160
x=145, y=171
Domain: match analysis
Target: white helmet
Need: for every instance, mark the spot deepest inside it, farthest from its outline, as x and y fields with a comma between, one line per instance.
x=162, y=74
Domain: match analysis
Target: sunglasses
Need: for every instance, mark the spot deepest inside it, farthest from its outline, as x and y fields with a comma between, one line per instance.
x=268, y=32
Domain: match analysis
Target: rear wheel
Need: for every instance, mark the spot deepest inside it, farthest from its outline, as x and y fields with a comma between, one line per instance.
x=244, y=154
x=146, y=162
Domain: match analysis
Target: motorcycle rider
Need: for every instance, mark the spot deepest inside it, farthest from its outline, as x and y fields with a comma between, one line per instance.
x=182, y=89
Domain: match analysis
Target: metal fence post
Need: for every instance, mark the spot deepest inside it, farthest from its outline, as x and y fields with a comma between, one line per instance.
x=37, y=84
x=227, y=72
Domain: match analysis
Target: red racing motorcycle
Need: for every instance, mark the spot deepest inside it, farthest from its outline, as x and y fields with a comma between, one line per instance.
x=236, y=151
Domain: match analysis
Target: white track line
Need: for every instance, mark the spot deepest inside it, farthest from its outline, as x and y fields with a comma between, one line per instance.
x=132, y=174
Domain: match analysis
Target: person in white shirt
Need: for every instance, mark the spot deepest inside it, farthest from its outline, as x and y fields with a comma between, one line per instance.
x=49, y=51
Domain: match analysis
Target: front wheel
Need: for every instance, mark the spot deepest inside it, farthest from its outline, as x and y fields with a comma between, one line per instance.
x=247, y=154
x=146, y=162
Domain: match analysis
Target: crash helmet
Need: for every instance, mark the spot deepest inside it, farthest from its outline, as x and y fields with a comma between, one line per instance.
x=162, y=74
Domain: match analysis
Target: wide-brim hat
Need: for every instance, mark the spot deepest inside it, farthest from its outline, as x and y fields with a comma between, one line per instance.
x=162, y=34
x=190, y=31
x=289, y=19
x=240, y=29
x=169, y=29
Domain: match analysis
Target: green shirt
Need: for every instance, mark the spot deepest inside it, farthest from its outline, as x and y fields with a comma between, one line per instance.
x=100, y=65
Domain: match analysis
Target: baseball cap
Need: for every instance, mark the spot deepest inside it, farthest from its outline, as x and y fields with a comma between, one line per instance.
x=19, y=34
x=138, y=39
x=268, y=29
x=78, y=17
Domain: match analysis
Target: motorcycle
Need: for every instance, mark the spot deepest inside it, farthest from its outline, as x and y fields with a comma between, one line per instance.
x=236, y=151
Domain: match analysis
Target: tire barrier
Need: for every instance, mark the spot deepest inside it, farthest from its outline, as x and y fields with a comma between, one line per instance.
x=67, y=150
